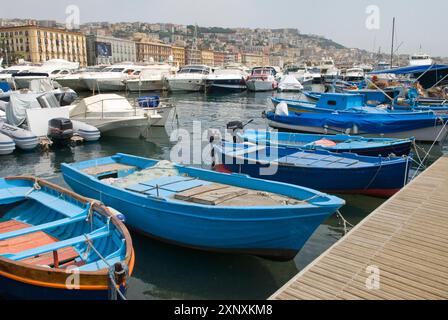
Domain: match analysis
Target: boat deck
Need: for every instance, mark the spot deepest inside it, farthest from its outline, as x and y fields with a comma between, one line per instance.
x=398, y=252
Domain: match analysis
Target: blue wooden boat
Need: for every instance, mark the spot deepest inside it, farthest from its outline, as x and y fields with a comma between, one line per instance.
x=204, y=209
x=422, y=126
x=55, y=244
x=320, y=170
x=339, y=143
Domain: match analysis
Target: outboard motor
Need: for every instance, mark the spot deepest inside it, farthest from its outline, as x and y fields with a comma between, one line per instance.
x=60, y=131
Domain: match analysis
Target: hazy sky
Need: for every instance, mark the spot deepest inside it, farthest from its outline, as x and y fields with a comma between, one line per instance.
x=419, y=22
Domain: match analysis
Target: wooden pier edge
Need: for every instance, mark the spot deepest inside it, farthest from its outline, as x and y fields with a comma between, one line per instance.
x=418, y=270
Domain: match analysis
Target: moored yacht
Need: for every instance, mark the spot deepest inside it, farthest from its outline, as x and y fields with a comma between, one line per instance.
x=301, y=73
x=232, y=78
x=189, y=78
x=328, y=70
x=354, y=74
x=420, y=59
x=111, y=78
x=151, y=78
x=7, y=74
x=52, y=69
x=262, y=79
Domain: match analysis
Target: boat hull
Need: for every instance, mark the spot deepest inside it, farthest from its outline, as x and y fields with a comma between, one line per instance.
x=437, y=133
x=223, y=86
x=77, y=85
x=192, y=85
x=108, y=85
x=267, y=232
x=17, y=290
x=261, y=85
x=129, y=128
x=375, y=181
x=145, y=85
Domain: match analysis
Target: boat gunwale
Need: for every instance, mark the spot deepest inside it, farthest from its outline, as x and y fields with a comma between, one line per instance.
x=56, y=278
x=330, y=200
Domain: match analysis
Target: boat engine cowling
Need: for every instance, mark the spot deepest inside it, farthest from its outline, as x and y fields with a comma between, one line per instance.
x=60, y=131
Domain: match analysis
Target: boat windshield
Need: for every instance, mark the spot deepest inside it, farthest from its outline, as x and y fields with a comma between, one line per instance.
x=262, y=72
x=56, y=71
x=10, y=71
x=194, y=70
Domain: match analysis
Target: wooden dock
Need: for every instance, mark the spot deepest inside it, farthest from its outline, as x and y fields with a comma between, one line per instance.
x=400, y=251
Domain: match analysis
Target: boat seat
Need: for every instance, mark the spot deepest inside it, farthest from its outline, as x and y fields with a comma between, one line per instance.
x=165, y=181
x=57, y=204
x=65, y=255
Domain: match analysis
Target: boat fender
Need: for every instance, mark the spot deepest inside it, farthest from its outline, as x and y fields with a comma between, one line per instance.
x=282, y=109
x=117, y=214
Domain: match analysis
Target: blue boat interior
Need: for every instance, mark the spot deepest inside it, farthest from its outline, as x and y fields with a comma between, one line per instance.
x=304, y=158
x=312, y=141
x=41, y=226
x=193, y=186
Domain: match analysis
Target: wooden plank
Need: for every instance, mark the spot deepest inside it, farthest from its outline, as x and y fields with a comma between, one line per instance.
x=406, y=238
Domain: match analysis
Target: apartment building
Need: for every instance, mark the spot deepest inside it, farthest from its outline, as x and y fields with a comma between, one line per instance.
x=109, y=50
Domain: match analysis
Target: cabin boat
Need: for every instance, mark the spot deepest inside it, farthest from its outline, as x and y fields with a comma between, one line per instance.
x=111, y=78
x=420, y=59
x=262, y=79
x=190, y=78
x=328, y=70
x=354, y=75
x=349, y=116
x=289, y=83
x=51, y=69
x=7, y=75
x=55, y=244
x=203, y=209
x=320, y=170
x=232, y=78
x=114, y=116
x=302, y=74
x=339, y=143
x=151, y=78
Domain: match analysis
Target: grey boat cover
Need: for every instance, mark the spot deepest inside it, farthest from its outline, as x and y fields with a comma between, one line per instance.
x=18, y=103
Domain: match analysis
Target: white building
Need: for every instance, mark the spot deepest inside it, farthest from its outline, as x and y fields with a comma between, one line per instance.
x=109, y=50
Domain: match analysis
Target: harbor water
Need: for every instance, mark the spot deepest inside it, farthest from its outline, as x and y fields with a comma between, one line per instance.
x=165, y=271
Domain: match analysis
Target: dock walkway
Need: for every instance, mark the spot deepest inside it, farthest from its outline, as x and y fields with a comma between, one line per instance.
x=400, y=251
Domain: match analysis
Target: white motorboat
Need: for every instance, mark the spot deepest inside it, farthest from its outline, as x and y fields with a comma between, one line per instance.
x=151, y=78
x=354, y=75
x=302, y=74
x=7, y=145
x=6, y=75
x=289, y=83
x=87, y=132
x=113, y=115
x=328, y=70
x=111, y=78
x=65, y=96
x=232, y=78
x=52, y=69
x=189, y=78
x=75, y=80
x=420, y=59
x=262, y=79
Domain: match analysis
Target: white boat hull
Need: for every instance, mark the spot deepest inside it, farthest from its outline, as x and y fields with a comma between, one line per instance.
x=74, y=84
x=23, y=139
x=158, y=117
x=261, y=85
x=145, y=85
x=102, y=85
x=193, y=85
x=135, y=127
x=7, y=145
x=437, y=133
